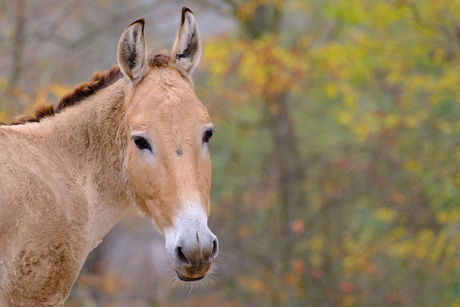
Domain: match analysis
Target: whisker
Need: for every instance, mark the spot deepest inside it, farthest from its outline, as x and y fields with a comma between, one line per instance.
x=222, y=261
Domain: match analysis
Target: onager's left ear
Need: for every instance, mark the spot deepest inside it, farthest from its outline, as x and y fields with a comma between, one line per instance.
x=186, y=52
x=131, y=54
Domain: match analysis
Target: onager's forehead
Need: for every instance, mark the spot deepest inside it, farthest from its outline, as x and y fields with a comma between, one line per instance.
x=165, y=100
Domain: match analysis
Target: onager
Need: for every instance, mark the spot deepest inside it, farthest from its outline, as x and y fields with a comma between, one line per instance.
x=135, y=135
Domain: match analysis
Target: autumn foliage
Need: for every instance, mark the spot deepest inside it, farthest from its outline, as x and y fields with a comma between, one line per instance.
x=370, y=92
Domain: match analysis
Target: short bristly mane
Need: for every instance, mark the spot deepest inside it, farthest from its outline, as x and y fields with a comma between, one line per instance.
x=98, y=81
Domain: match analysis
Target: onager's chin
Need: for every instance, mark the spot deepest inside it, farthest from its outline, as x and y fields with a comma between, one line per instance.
x=186, y=278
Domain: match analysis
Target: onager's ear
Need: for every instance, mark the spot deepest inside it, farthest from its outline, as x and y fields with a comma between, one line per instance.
x=131, y=53
x=186, y=52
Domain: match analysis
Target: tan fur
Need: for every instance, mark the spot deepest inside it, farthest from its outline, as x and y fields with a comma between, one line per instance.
x=67, y=179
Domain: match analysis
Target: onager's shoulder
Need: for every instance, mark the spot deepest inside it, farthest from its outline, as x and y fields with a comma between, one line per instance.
x=40, y=226
x=42, y=276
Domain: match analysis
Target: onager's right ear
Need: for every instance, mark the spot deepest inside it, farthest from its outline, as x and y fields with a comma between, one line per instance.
x=131, y=53
x=186, y=52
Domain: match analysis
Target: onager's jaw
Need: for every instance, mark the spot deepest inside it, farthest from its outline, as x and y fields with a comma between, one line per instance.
x=190, y=245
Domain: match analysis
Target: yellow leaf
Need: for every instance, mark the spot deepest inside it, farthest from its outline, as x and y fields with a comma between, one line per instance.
x=345, y=117
x=384, y=214
x=317, y=244
x=348, y=300
x=413, y=166
x=331, y=90
x=391, y=120
x=411, y=121
x=442, y=217
x=398, y=232
x=421, y=251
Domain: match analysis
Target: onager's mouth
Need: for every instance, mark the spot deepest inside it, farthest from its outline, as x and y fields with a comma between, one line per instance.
x=185, y=278
x=191, y=246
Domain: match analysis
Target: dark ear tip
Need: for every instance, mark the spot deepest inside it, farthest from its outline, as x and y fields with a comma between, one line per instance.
x=141, y=21
x=185, y=10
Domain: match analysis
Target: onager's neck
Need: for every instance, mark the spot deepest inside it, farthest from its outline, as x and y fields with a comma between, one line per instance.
x=86, y=143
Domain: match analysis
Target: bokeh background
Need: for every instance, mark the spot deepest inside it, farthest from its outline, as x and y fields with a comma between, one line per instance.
x=336, y=164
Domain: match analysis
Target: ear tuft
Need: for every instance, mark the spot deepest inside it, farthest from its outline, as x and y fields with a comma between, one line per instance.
x=186, y=52
x=131, y=53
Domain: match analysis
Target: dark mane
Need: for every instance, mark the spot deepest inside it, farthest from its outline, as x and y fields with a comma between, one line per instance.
x=98, y=81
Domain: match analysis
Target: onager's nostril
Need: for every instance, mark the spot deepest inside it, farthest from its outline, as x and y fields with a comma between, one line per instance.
x=181, y=257
x=215, y=249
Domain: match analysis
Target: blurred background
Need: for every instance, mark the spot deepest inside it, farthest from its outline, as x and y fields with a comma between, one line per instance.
x=336, y=164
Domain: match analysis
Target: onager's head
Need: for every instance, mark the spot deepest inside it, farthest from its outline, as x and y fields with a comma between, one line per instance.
x=167, y=158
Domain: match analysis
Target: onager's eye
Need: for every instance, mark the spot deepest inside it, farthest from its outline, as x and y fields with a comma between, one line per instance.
x=207, y=135
x=141, y=143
